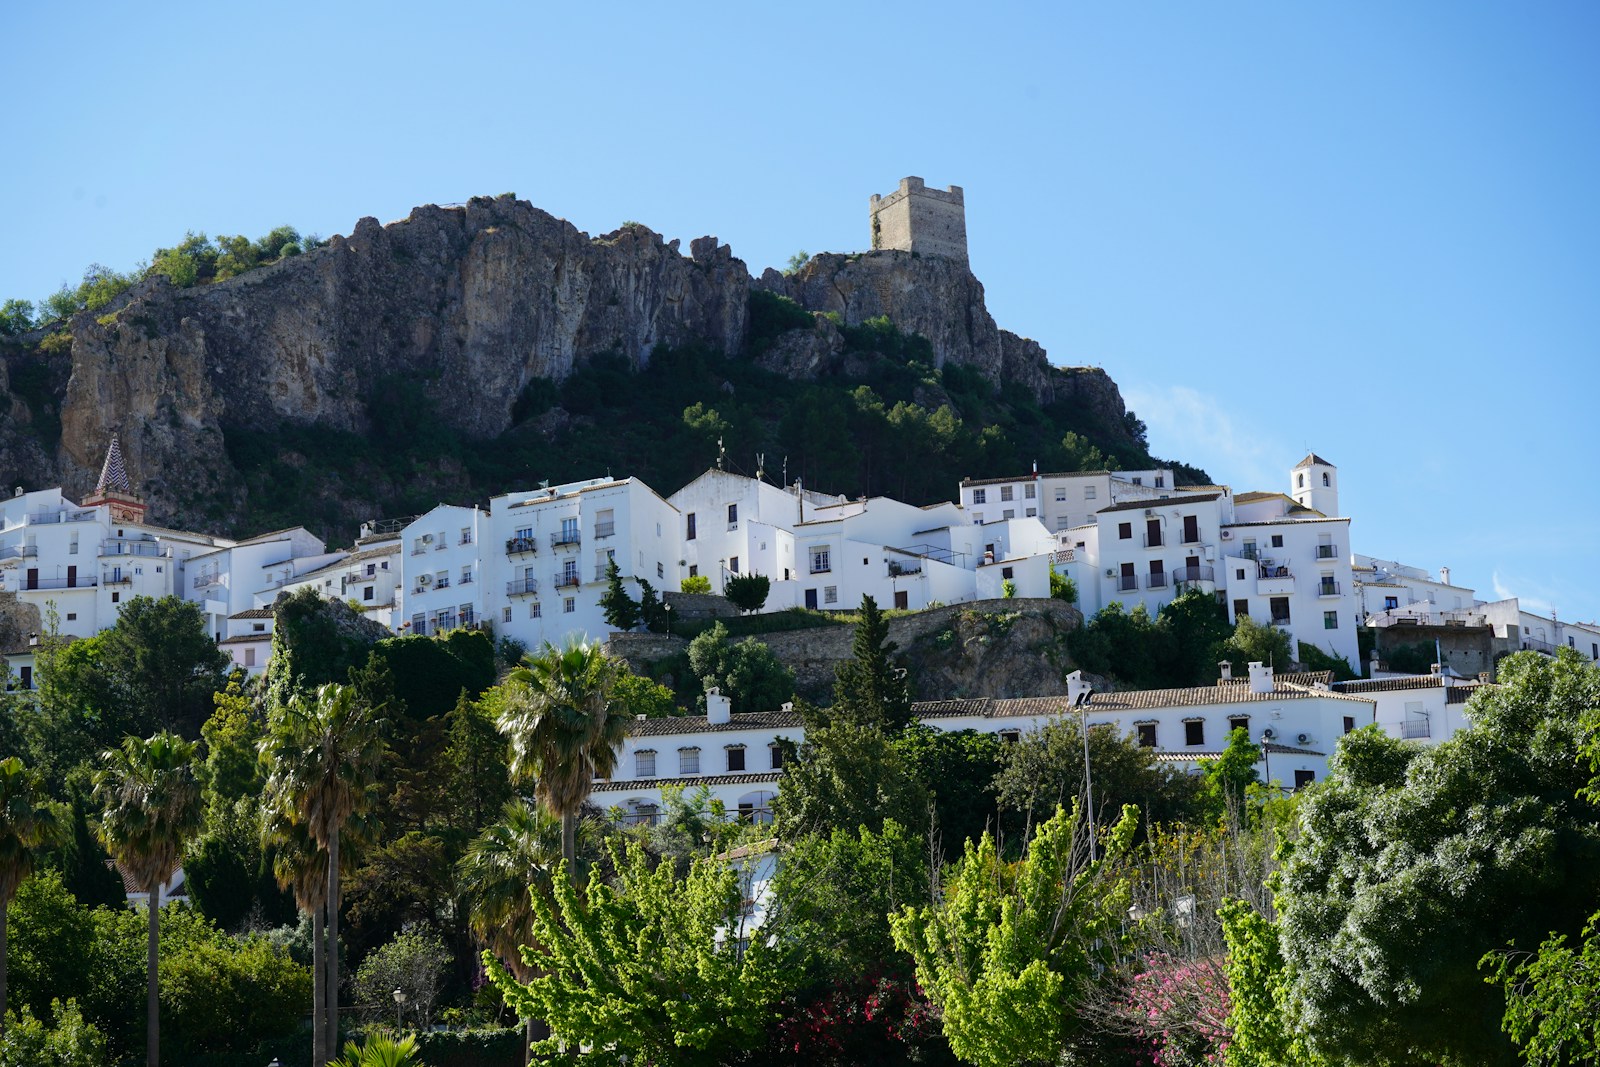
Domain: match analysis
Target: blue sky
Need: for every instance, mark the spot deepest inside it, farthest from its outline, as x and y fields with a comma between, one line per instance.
x=1366, y=229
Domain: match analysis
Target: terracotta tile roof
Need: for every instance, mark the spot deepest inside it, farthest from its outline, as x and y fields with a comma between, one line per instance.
x=1029, y=477
x=1320, y=517
x=1461, y=692
x=1272, y=750
x=633, y=785
x=253, y=613
x=245, y=639
x=1292, y=686
x=697, y=724
x=1310, y=459
x=1161, y=502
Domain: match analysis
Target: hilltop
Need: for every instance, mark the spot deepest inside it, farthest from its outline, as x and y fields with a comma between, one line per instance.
x=464, y=350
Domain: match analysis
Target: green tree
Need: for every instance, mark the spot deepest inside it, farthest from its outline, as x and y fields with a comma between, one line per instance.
x=26, y=821
x=1258, y=993
x=643, y=696
x=747, y=673
x=844, y=777
x=515, y=856
x=833, y=894
x=621, y=610
x=160, y=666
x=958, y=768
x=1063, y=587
x=404, y=977
x=702, y=992
x=16, y=316
x=1254, y=642
x=225, y=995
x=72, y=1041
x=52, y=944
x=748, y=592
x=1413, y=863
x=1005, y=950
x=564, y=730
x=301, y=866
x=323, y=755
x=871, y=687
x=150, y=808
x=653, y=611
x=1226, y=780
x=695, y=583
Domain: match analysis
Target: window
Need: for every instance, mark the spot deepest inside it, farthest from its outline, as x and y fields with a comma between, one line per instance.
x=569, y=605
x=1009, y=513
x=1326, y=481
x=569, y=531
x=372, y=569
x=777, y=756
x=1349, y=724
x=1005, y=493
x=820, y=561
x=1061, y=494
x=735, y=758
x=1277, y=540
x=1304, y=778
x=1147, y=735
x=72, y=549
x=442, y=580
x=1137, y=480
x=661, y=572
x=694, y=570
x=977, y=517
x=1161, y=481
x=1089, y=492
x=1062, y=522
x=733, y=515
x=733, y=564
x=505, y=614
x=258, y=627
x=1010, y=737
x=116, y=598
x=688, y=761
x=1280, y=609
x=1128, y=580
x=605, y=522
x=1030, y=491
x=1031, y=512
x=366, y=592
x=1299, y=481
x=1238, y=574
x=535, y=610
x=466, y=535
x=1238, y=722
x=1330, y=620
x=249, y=657
x=468, y=616
x=980, y=496
x=1124, y=531
x=1390, y=603
x=644, y=763
x=25, y=676
x=1006, y=572
x=1194, y=732
x=830, y=594
x=419, y=624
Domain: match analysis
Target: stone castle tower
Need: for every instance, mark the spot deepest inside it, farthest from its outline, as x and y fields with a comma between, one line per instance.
x=914, y=218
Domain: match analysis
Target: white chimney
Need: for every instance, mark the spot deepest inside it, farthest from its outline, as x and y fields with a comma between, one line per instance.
x=1260, y=678
x=1225, y=671
x=1078, y=690
x=1444, y=575
x=718, y=707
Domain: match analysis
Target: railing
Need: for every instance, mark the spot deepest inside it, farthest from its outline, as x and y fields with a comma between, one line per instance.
x=442, y=583
x=466, y=579
x=120, y=547
x=519, y=545
x=64, y=515
x=826, y=568
x=651, y=816
x=604, y=529
x=1064, y=555
x=82, y=581
x=116, y=579
x=600, y=573
x=1273, y=571
x=420, y=550
x=1154, y=540
x=1157, y=580
x=1327, y=587
x=204, y=581
x=567, y=580
x=1127, y=582
x=559, y=540
x=18, y=551
x=1533, y=644
x=1327, y=552
x=1189, y=537
x=1280, y=620
x=937, y=553
x=390, y=526
x=1194, y=574
x=898, y=569
x=1412, y=728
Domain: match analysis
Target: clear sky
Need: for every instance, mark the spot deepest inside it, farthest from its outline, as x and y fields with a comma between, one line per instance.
x=1367, y=229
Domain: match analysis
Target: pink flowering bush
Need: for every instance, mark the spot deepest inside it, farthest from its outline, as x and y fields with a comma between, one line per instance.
x=1180, y=1007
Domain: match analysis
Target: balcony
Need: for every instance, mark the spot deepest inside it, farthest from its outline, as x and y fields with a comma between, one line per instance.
x=420, y=550
x=1157, y=580
x=898, y=569
x=116, y=579
x=1189, y=537
x=46, y=518
x=1274, y=580
x=1414, y=728
x=1187, y=576
x=120, y=547
x=82, y=581
x=604, y=529
x=1533, y=644
x=1154, y=540
x=466, y=579
x=565, y=539
x=19, y=551
x=1281, y=620
x=442, y=583
x=521, y=546
x=1249, y=552
x=207, y=580
x=1327, y=552
x=1327, y=587
x=1128, y=582
x=601, y=573
x=567, y=580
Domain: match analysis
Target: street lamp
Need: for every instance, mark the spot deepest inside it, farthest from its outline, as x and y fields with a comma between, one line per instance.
x=667, y=607
x=399, y=1008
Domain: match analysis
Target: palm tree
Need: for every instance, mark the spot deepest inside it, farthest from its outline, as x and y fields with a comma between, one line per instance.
x=380, y=1050
x=150, y=807
x=301, y=867
x=324, y=755
x=508, y=861
x=563, y=730
x=26, y=822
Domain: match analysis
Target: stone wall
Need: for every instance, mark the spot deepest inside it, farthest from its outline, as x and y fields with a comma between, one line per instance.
x=17, y=621
x=915, y=218
x=1468, y=650
x=699, y=606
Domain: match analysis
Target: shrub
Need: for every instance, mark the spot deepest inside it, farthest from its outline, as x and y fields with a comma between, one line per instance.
x=1008, y=589
x=71, y=1042
x=414, y=962
x=748, y=591
x=1063, y=587
x=696, y=583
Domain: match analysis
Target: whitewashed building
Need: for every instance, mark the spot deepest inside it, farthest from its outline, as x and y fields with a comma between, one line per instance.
x=1059, y=501
x=1427, y=708
x=441, y=558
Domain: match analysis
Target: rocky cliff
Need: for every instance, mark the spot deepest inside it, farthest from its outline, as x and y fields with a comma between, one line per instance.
x=476, y=302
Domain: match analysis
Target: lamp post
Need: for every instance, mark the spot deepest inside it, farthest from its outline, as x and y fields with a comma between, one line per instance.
x=667, y=608
x=1088, y=791
x=399, y=1008
x=1266, y=761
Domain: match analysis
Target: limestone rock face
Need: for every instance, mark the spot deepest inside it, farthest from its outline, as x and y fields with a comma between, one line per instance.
x=931, y=295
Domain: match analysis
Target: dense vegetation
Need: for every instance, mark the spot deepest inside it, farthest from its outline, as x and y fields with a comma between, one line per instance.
x=939, y=897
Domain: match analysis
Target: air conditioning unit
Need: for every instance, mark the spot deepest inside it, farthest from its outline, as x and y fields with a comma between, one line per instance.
x=1304, y=739
x=1111, y=572
x=1149, y=513
x=427, y=539
x=1227, y=535
x=1269, y=734
x=426, y=579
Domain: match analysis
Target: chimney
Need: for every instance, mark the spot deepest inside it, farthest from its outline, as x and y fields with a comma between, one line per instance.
x=1224, y=671
x=1260, y=678
x=1433, y=669
x=719, y=709
x=1444, y=575
x=1078, y=690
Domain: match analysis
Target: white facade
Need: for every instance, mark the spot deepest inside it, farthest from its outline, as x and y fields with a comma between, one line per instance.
x=546, y=553
x=1427, y=708
x=1059, y=501
x=440, y=556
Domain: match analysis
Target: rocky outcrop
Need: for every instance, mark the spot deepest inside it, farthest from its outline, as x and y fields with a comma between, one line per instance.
x=470, y=303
